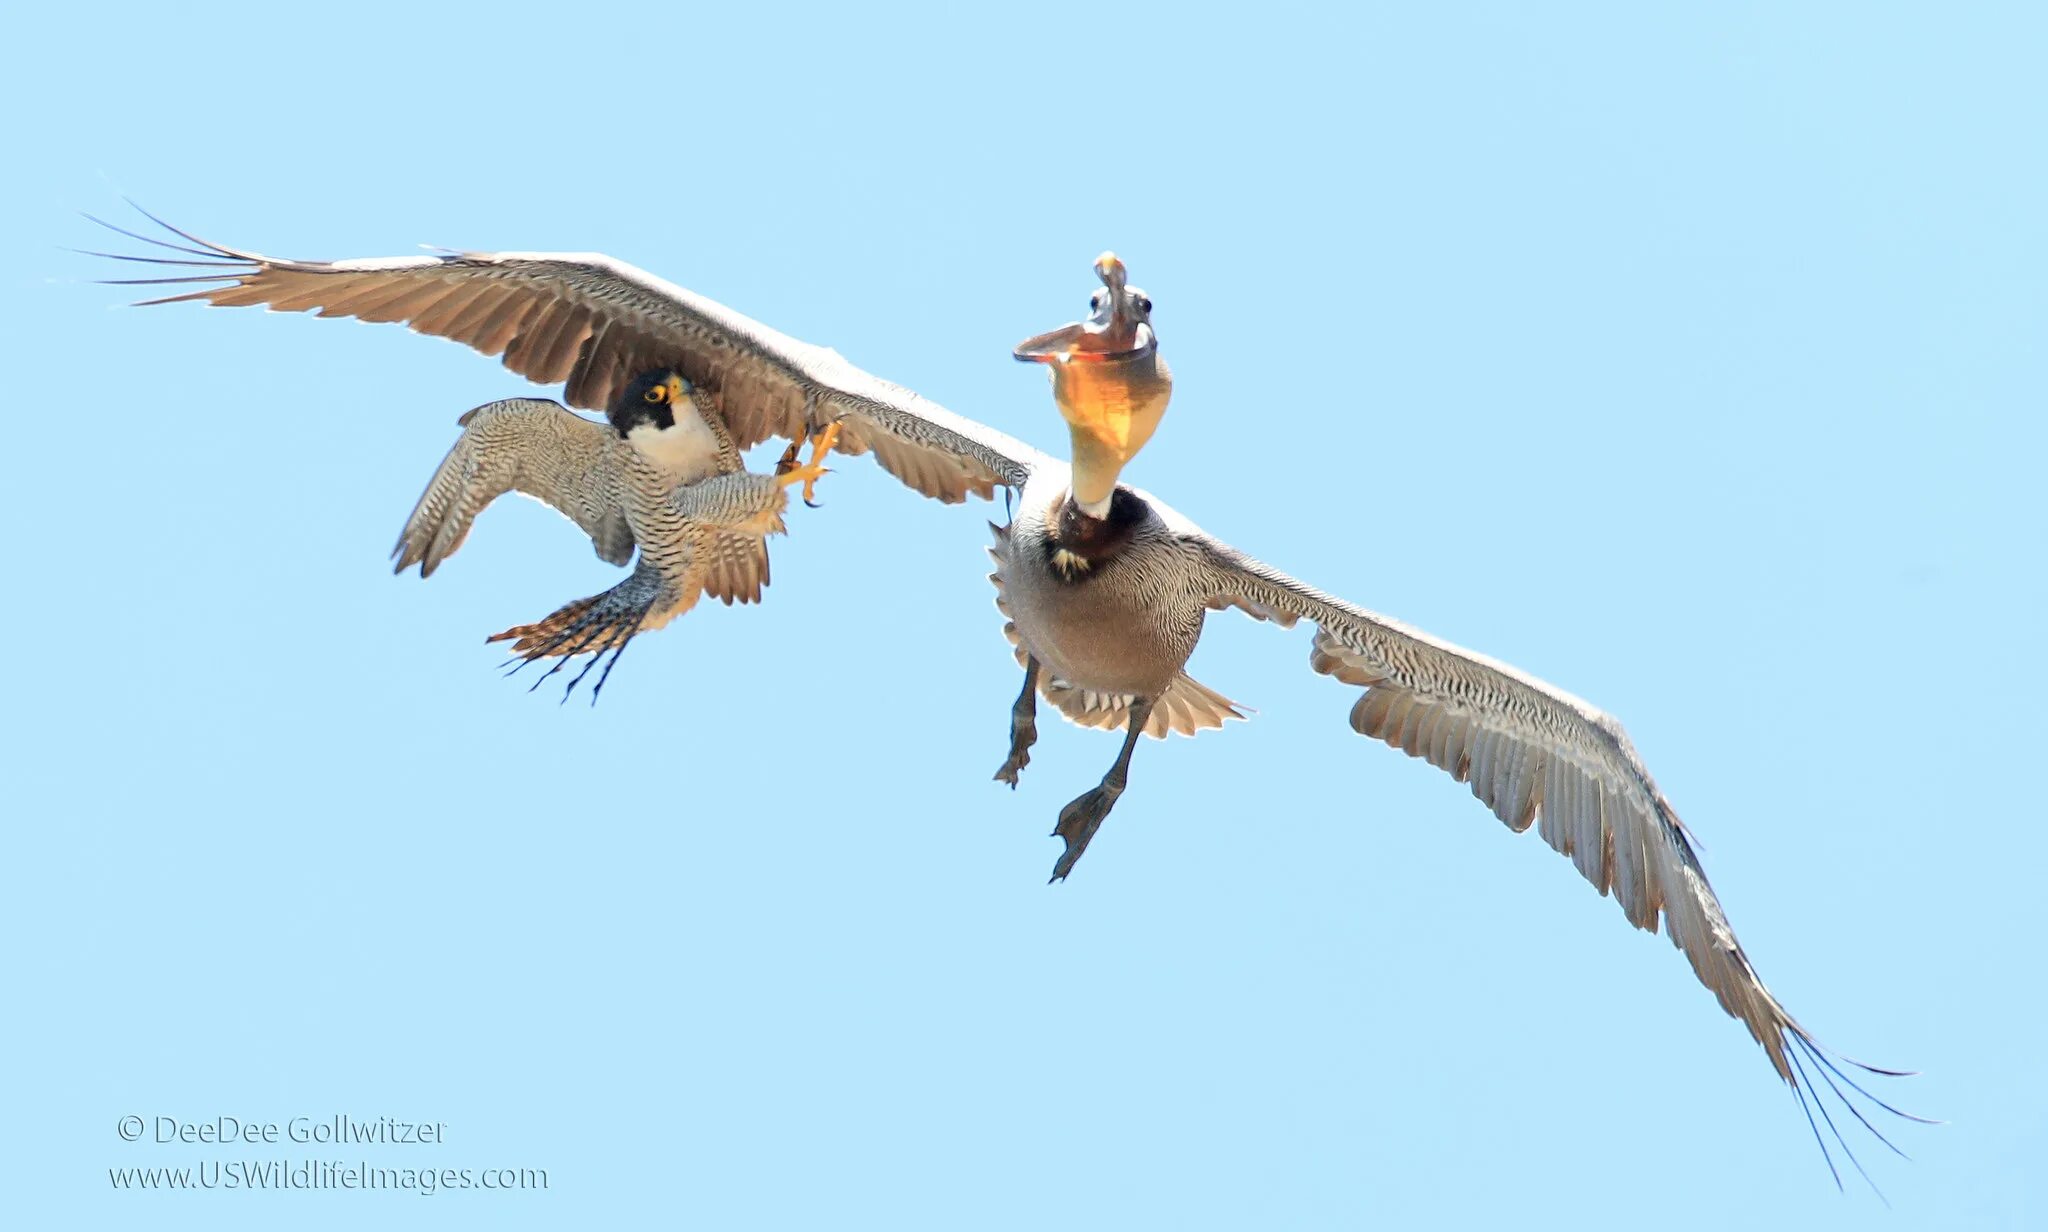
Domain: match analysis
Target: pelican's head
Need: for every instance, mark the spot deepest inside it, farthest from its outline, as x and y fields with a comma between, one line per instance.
x=1108, y=380
x=648, y=402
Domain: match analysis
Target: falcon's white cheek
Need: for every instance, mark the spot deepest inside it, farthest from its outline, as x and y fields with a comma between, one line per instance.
x=687, y=448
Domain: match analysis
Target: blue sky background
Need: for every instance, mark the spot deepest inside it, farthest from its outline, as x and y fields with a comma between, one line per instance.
x=1691, y=361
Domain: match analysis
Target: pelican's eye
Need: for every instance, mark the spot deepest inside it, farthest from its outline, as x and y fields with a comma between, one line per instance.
x=1095, y=302
x=658, y=394
x=1145, y=304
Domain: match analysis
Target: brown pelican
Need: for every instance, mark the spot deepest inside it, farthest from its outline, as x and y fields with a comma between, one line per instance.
x=1106, y=590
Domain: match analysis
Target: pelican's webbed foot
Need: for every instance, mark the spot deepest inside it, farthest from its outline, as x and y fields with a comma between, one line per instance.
x=788, y=471
x=1023, y=727
x=1080, y=820
x=1083, y=815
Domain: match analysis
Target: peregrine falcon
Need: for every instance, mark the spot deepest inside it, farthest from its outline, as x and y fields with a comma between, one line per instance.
x=613, y=334
x=662, y=475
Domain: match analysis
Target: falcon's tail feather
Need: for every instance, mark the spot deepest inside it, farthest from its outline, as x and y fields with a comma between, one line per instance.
x=573, y=630
x=596, y=626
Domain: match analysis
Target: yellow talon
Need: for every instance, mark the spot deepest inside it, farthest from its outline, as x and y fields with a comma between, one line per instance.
x=787, y=472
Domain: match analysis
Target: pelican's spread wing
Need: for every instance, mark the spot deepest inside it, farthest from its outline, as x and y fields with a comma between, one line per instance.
x=595, y=323
x=1536, y=755
x=528, y=445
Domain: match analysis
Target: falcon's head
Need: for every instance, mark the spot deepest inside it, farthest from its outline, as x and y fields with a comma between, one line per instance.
x=649, y=401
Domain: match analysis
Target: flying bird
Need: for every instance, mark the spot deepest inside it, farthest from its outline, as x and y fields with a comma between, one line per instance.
x=1105, y=588
x=636, y=481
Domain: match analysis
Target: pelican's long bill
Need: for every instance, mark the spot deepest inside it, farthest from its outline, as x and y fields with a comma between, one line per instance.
x=1108, y=380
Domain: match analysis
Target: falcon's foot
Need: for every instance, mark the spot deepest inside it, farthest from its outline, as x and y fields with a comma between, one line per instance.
x=787, y=471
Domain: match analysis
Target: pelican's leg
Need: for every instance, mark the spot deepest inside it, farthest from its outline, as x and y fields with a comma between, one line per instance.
x=1023, y=726
x=1080, y=819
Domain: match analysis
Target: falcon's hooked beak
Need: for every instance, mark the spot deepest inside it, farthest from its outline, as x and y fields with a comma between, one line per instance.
x=1109, y=382
x=676, y=389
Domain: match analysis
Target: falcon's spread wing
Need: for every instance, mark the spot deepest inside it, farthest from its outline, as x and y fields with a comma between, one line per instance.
x=595, y=323
x=527, y=445
x=1536, y=755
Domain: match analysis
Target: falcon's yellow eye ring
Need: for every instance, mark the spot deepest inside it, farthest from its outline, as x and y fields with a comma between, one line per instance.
x=658, y=394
